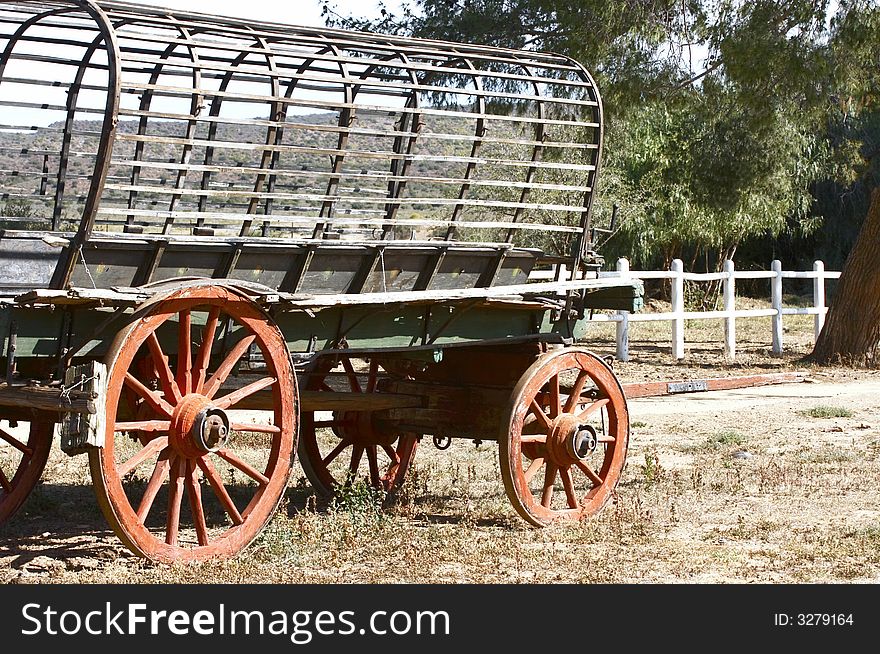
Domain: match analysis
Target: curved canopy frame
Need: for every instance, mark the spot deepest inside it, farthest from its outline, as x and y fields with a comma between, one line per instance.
x=176, y=123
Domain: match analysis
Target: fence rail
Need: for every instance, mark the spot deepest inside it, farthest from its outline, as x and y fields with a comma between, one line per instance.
x=728, y=314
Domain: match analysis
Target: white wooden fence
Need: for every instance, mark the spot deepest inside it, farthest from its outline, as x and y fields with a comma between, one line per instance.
x=728, y=314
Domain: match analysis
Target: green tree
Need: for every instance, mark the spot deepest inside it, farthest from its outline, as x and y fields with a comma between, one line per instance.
x=716, y=110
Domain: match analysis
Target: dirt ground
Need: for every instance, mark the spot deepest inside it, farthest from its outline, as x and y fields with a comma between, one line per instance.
x=776, y=484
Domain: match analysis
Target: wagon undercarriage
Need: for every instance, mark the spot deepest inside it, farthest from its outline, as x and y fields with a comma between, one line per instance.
x=203, y=371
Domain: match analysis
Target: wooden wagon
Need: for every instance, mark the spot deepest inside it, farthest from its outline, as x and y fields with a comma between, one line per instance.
x=226, y=241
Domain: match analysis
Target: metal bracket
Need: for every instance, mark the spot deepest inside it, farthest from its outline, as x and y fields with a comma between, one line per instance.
x=10, y=352
x=442, y=442
x=82, y=431
x=687, y=386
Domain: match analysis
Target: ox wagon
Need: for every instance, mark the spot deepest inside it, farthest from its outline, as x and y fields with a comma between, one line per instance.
x=225, y=242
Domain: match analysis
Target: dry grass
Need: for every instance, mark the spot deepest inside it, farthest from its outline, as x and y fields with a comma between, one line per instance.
x=774, y=495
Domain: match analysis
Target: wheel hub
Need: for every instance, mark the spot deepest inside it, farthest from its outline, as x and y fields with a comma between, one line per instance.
x=570, y=441
x=582, y=442
x=359, y=428
x=198, y=427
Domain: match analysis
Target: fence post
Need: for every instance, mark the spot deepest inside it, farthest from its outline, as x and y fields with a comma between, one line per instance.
x=776, y=302
x=729, y=293
x=623, y=322
x=561, y=273
x=819, y=298
x=678, y=309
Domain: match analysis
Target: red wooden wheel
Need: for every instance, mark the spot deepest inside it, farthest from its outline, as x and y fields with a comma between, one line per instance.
x=177, y=432
x=338, y=450
x=24, y=450
x=563, y=444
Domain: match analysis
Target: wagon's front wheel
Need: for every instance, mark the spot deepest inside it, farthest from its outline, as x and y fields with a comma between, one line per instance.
x=24, y=450
x=563, y=443
x=184, y=473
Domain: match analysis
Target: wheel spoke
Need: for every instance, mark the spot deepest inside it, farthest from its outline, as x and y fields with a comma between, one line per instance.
x=219, y=489
x=356, y=453
x=588, y=471
x=590, y=410
x=372, y=460
x=245, y=391
x=143, y=426
x=555, y=402
x=549, y=480
x=184, y=352
x=153, y=486
x=576, y=391
x=160, y=362
x=395, y=459
x=216, y=380
x=533, y=438
x=4, y=483
x=194, y=492
x=336, y=452
x=534, y=466
x=542, y=417
x=245, y=467
x=175, y=496
x=17, y=444
x=352, y=377
x=532, y=427
x=147, y=451
x=568, y=485
x=153, y=399
x=203, y=358
x=373, y=377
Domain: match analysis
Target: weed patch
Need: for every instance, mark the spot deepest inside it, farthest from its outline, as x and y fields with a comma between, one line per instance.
x=827, y=411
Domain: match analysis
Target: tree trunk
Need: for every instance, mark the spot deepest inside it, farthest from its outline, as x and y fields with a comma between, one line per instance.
x=852, y=330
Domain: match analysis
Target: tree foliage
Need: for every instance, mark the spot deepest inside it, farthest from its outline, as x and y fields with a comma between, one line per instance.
x=723, y=116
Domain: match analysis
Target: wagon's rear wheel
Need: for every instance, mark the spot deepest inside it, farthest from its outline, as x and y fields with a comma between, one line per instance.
x=340, y=448
x=563, y=442
x=24, y=450
x=185, y=475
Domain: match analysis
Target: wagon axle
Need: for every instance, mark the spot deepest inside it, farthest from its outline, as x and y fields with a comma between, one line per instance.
x=583, y=442
x=211, y=429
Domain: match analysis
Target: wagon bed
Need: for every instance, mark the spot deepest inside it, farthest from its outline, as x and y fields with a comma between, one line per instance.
x=334, y=230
